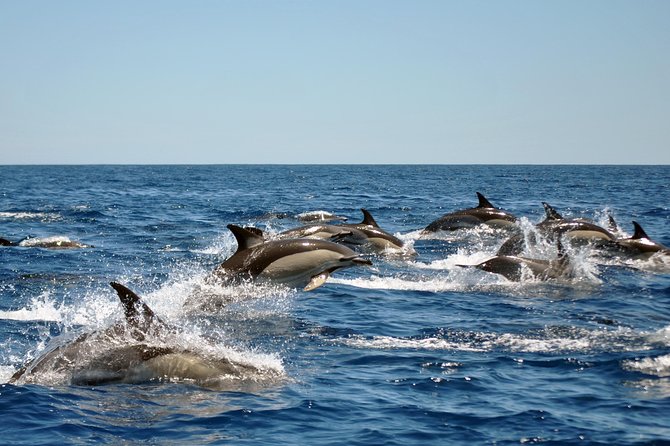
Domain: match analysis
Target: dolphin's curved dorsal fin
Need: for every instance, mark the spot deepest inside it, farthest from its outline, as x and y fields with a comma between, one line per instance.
x=368, y=219
x=639, y=232
x=134, y=308
x=612, y=226
x=483, y=202
x=245, y=238
x=552, y=214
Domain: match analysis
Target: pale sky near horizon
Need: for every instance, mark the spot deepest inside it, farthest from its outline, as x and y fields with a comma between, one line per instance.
x=367, y=81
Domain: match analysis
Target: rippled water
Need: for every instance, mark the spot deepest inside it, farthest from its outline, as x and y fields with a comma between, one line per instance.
x=413, y=350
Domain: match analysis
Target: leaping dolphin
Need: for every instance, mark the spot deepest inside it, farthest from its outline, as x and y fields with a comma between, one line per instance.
x=140, y=348
x=555, y=226
x=297, y=262
x=484, y=213
x=574, y=229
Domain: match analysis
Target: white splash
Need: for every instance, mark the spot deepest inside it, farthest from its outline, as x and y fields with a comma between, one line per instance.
x=40, y=308
x=659, y=366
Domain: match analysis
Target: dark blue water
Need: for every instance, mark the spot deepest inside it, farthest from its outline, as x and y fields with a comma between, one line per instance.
x=409, y=351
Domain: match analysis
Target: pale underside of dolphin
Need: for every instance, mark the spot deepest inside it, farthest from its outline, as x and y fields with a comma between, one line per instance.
x=484, y=213
x=300, y=262
x=140, y=348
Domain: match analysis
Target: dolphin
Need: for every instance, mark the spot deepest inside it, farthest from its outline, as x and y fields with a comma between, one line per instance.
x=513, y=267
x=555, y=226
x=333, y=233
x=55, y=242
x=484, y=213
x=574, y=229
x=320, y=216
x=299, y=262
x=640, y=245
x=374, y=236
x=140, y=348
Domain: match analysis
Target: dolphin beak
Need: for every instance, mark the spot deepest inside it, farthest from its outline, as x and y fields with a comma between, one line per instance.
x=357, y=260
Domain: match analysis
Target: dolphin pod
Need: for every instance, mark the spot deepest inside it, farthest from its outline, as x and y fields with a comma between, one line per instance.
x=142, y=347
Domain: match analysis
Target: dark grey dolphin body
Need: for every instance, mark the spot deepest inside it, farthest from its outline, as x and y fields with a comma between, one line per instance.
x=514, y=267
x=640, y=245
x=484, y=213
x=134, y=350
x=297, y=262
x=45, y=242
x=375, y=237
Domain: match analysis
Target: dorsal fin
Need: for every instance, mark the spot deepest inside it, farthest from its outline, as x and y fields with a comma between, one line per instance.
x=134, y=308
x=368, y=219
x=245, y=238
x=612, y=226
x=552, y=214
x=483, y=202
x=639, y=232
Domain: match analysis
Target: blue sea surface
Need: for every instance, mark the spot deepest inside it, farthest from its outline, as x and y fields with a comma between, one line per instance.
x=412, y=350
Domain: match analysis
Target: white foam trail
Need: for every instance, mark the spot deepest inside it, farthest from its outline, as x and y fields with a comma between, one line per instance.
x=44, y=216
x=40, y=308
x=659, y=366
x=6, y=372
x=37, y=241
x=575, y=340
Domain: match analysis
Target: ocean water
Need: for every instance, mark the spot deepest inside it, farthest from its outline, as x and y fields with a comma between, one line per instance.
x=413, y=350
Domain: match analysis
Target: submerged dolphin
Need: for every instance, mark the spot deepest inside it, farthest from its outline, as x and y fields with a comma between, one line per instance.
x=297, y=262
x=55, y=242
x=640, y=245
x=484, y=213
x=333, y=233
x=140, y=348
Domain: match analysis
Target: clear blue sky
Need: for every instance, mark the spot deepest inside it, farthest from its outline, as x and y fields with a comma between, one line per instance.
x=360, y=81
